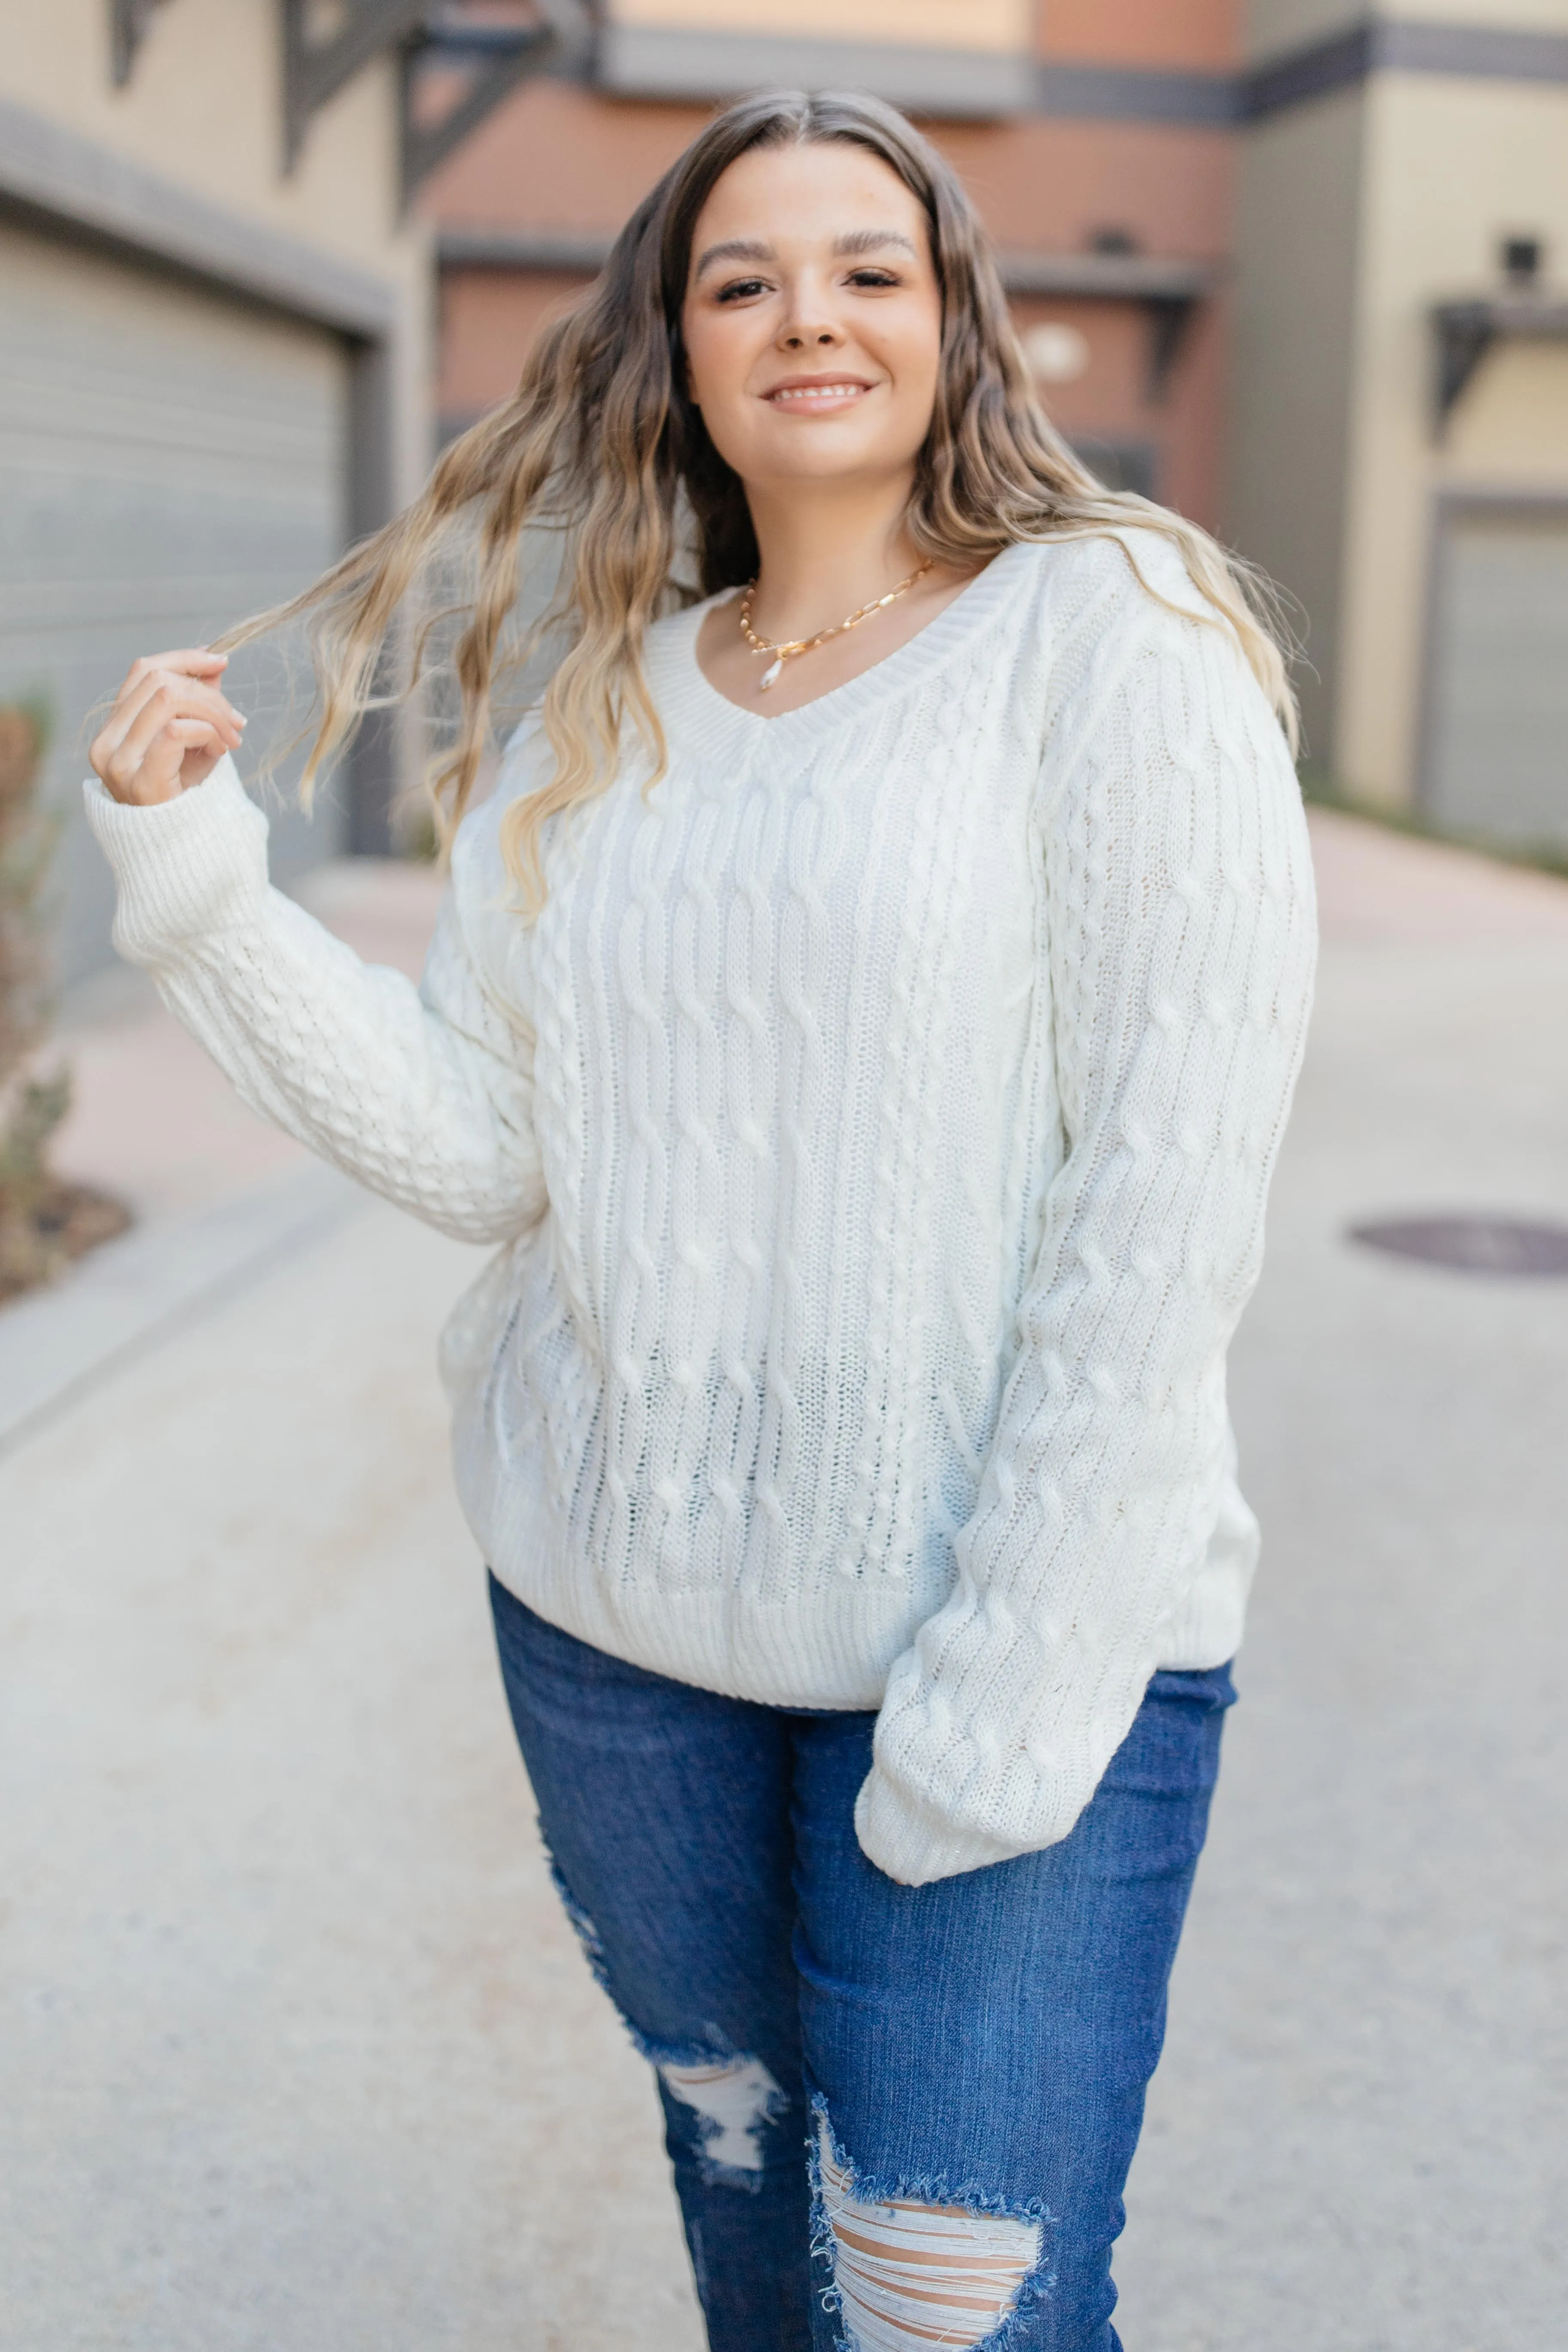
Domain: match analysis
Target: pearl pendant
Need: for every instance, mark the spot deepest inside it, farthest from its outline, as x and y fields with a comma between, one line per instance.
x=772, y=675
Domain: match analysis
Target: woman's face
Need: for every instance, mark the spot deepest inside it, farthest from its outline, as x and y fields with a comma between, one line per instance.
x=813, y=318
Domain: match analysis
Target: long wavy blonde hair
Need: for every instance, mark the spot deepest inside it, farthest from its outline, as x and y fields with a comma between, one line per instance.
x=602, y=441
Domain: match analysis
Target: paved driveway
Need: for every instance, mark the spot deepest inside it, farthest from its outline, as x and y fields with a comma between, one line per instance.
x=298, y=2053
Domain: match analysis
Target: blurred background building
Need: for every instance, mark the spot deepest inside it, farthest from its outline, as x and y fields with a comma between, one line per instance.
x=1398, y=370
x=214, y=349
x=1291, y=267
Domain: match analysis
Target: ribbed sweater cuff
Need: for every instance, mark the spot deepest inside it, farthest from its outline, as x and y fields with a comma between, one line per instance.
x=184, y=868
x=911, y=1841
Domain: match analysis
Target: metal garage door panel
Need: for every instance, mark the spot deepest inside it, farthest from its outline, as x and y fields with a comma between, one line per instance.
x=1497, y=757
x=169, y=461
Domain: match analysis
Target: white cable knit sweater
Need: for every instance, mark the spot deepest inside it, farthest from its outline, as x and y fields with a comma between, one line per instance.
x=876, y=1123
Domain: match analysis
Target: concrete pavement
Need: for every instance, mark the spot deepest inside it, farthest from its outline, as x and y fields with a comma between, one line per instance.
x=298, y=2050
x=1358, y=2138
x=299, y=2053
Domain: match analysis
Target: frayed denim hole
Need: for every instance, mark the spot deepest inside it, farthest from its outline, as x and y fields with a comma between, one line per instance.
x=729, y=2175
x=734, y=2100
x=1035, y=2288
x=923, y=2187
x=822, y=2245
x=587, y=1935
x=773, y=2102
x=1038, y=2287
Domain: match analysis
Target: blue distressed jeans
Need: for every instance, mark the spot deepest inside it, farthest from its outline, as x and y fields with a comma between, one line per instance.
x=823, y=2034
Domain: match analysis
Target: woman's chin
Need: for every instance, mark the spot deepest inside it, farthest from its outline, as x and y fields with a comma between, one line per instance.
x=822, y=455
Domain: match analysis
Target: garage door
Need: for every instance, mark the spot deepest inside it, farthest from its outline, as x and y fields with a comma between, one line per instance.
x=1497, y=748
x=169, y=462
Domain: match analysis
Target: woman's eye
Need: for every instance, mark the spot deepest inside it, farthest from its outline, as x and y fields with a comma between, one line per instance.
x=873, y=277
x=742, y=287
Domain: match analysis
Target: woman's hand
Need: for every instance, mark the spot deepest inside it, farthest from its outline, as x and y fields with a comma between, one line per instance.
x=168, y=729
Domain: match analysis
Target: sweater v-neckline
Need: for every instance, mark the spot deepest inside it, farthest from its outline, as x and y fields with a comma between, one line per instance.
x=690, y=703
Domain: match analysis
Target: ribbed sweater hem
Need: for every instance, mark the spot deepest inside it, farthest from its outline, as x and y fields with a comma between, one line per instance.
x=784, y=1653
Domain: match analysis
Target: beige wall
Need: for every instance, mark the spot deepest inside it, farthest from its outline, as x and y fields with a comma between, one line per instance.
x=1274, y=25
x=204, y=110
x=991, y=25
x=1293, y=315
x=1512, y=16
x=1430, y=230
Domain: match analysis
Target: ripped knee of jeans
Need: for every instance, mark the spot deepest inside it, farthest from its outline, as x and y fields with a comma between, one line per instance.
x=907, y=2274
x=734, y=2099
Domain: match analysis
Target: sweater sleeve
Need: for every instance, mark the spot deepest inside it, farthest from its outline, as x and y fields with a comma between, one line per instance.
x=1177, y=949
x=424, y=1094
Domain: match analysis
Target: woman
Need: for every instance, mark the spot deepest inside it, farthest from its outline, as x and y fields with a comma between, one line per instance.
x=865, y=1014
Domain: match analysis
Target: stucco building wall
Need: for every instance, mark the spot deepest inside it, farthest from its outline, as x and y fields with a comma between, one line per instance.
x=1430, y=231
x=1298, y=227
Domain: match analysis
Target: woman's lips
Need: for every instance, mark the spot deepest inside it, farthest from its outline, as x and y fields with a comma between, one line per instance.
x=806, y=399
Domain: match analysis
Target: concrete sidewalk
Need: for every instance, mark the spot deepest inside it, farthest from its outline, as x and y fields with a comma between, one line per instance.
x=299, y=2053
x=300, y=2057
x=1357, y=2138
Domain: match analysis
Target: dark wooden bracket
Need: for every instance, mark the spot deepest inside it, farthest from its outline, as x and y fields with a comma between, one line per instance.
x=1169, y=291
x=495, y=59
x=1464, y=332
x=1170, y=318
x=491, y=59
x=314, y=70
x=128, y=20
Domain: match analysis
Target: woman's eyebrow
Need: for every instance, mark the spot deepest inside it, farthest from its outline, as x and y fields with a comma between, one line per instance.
x=854, y=241
x=867, y=240
x=736, y=248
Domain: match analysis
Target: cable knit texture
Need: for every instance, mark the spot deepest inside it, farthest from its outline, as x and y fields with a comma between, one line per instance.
x=877, y=1122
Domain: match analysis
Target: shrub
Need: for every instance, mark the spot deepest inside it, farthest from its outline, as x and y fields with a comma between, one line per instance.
x=43, y=1220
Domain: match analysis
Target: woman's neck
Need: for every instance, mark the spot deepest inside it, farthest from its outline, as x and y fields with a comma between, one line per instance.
x=825, y=551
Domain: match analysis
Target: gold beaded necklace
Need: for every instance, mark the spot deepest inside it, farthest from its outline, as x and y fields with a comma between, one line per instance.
x=786, y=649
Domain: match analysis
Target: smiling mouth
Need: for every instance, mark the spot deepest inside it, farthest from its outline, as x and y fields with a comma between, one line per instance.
x=808, y=399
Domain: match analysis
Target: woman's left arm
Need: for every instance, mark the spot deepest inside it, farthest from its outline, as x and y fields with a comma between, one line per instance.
x=1178, y=955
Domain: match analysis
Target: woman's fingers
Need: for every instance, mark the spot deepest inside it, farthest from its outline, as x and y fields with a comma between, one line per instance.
x=134, y=696
x=176, y=695
x=146, y=764
x=187, y=671
x=162, y=706
x=145, y=750
x=189, y=661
